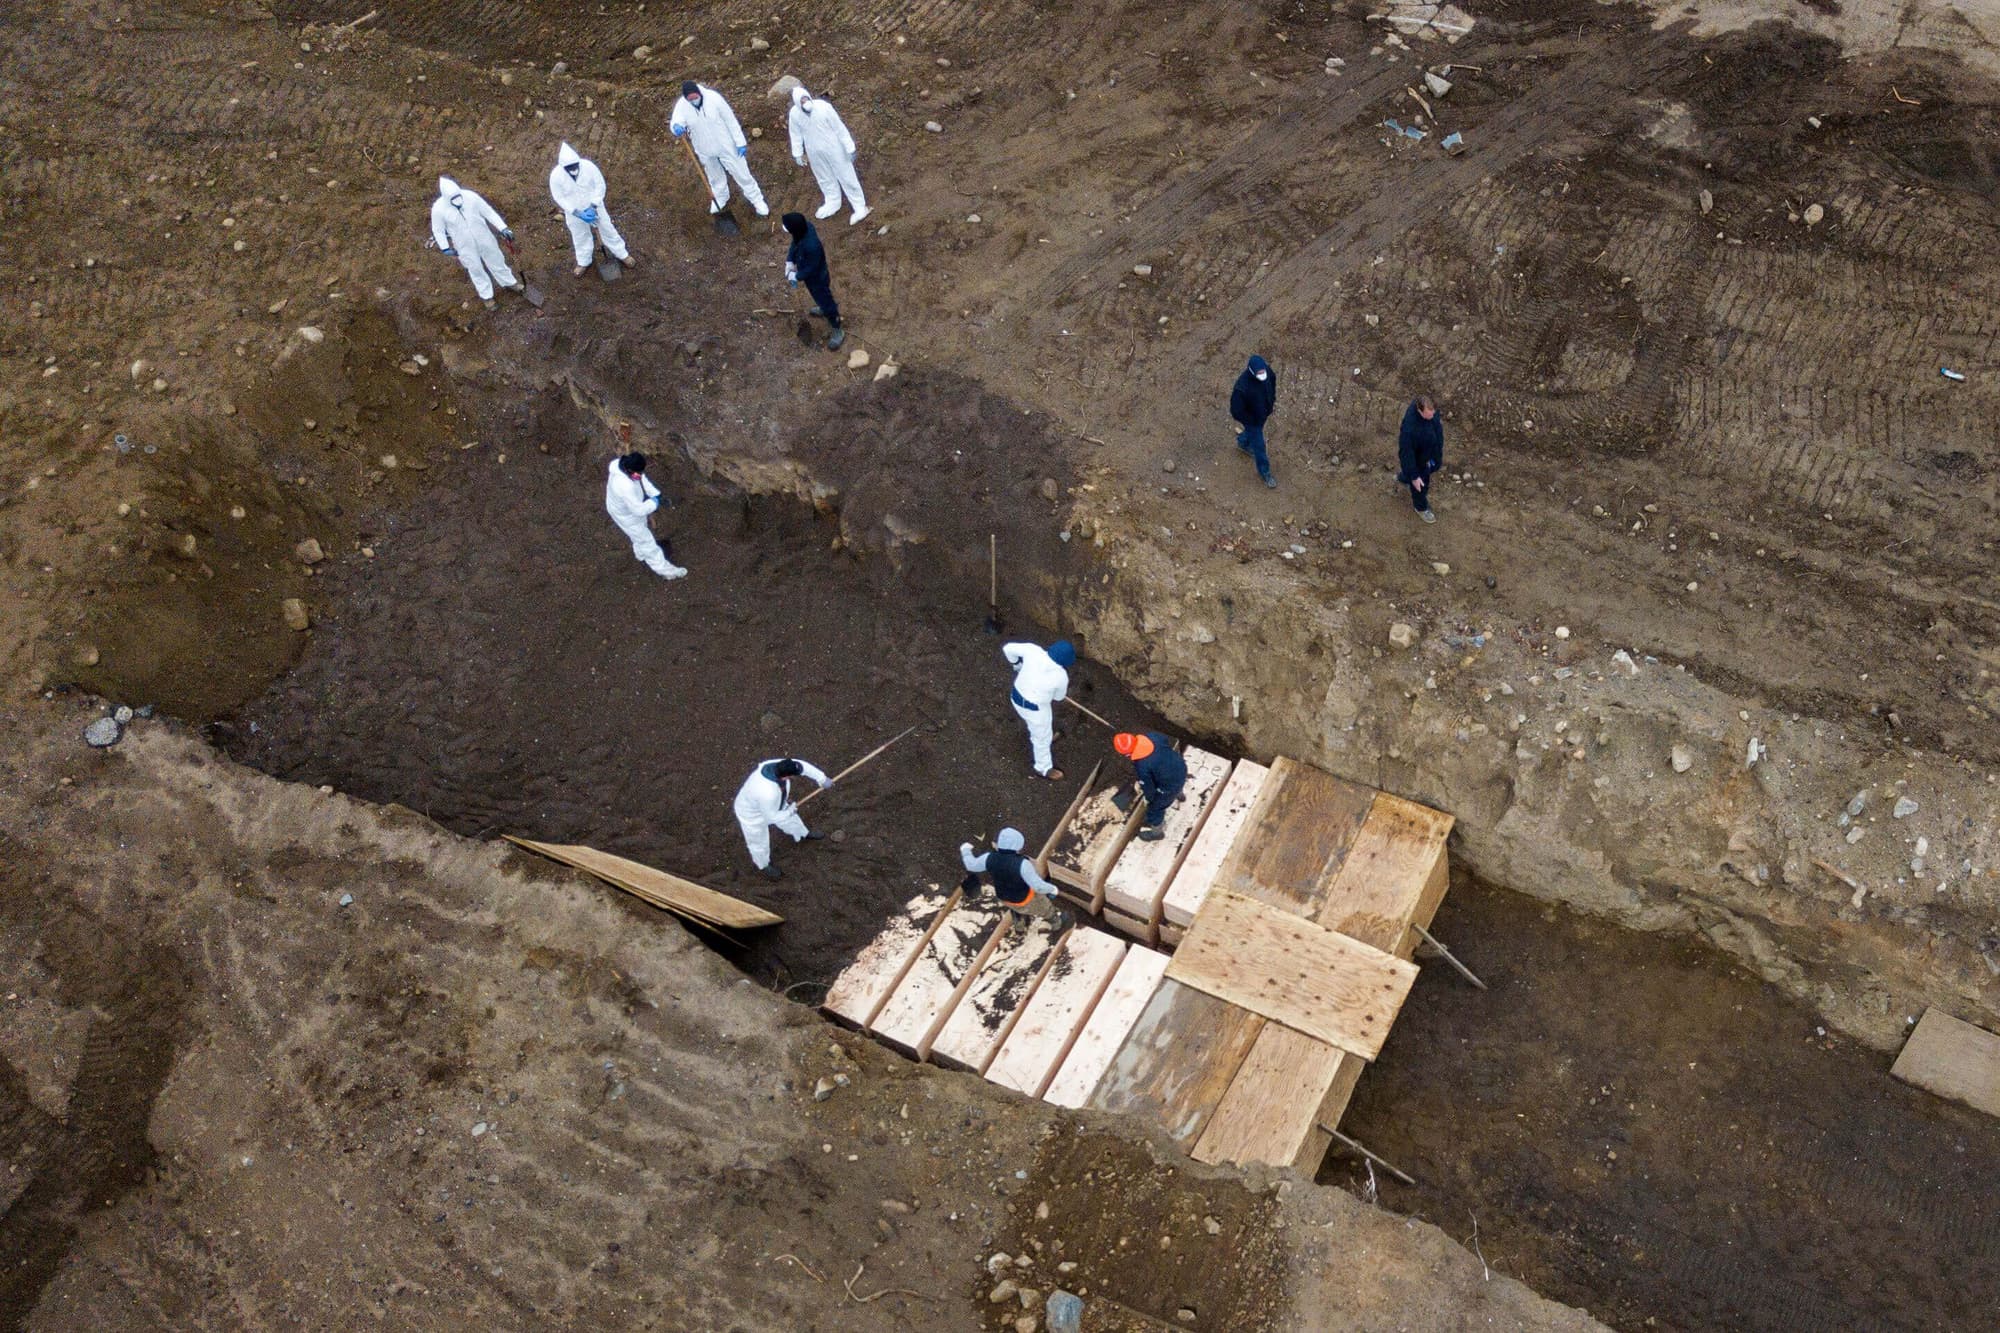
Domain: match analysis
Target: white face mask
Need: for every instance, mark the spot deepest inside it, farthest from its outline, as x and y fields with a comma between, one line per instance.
x=1261, y=374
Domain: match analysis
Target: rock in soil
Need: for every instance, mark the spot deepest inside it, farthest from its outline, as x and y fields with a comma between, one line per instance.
x=103, y=733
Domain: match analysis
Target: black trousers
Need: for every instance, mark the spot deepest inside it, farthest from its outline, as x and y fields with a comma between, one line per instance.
x=822, y=294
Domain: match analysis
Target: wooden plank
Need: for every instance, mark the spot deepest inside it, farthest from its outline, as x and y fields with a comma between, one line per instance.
x=1171, y=935
x=1132, y=986
x=1226, y=816
x=937, y=978
x=981, y=1021
x=1382, y=879
x=1049, y=1024
x=1084, y=854
x=1178, y=1060
x=1331, y=1108
x=1954, y=1059
x=1142, y=931
x=1309, y=978
x=657, y=887
x=1269, y=1111
x=858, y=993
x=1296, y=837
x=1076, y=803
x=1139, y=879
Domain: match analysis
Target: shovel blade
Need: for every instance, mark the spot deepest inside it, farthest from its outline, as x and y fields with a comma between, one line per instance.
x=609, y=269
x=727, y=225
x=532, y=294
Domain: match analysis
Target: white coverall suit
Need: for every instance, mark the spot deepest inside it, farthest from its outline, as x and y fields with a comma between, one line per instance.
x=820, y=137
x=761, y=805
x=629, y=500
x=464, y=224
x=583, y=194
x=716, y=138
x=1039, y=681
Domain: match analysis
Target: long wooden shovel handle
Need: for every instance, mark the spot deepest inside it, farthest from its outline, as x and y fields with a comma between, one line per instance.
x=700, y=171
x=1086, y=712
x=856, y=764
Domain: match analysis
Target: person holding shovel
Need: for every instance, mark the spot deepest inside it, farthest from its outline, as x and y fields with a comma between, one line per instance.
x=1012, y=877
x=806, y=262
x=1041, y=677
x=1161, y=772
x=703, y=117
x=765, y=802
x=630, y=498
x=577, y=186
x=463, y=225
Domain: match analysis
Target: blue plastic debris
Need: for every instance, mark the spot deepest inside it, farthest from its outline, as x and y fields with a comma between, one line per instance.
x=1951, y=374
x=1453, y=143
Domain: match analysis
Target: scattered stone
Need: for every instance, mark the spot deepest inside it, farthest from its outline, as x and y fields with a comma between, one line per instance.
x=759, y=44
x=1028, y=1297
x=1142, y=270
x=87, y=655
x=642, y=52
x=1185, y=1315
x=1438, y=86
x=1854, y=834
x=1169, y=465
x=998, y=1260
x=1440, y=568
x=1904, y=808
x=972, y=217
x=141, y=369
x=388, y=461
x=1027, y=1323
x=856, y=359
x=1211, y=1226
x=1372, y=321
x=933, y=127
x=1682, y=758
x=770, y=722
x=886, y=371
x=479, y=1130
x=1003, y=1291
x=122, y=715
x=1623, y=661
x=896, y=1207
x=309, y=552
x=1065, y=1311
x=312, y=333
x=838, y=835
x=296, y=615
x=781, y=91
x=1707, y=203
x=1857, y=803
x=1815, y=213
x=1755, y=751
x=102, y=733
x=1562, y=631
x=185, y=545
x=1050, y=490
x=824, y=1089
x=1402, y=635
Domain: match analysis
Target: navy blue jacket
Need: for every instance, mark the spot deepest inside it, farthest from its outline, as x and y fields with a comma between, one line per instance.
x=1161, y=774
x=1251, y=401
x=808, y=257
x=1420, y=447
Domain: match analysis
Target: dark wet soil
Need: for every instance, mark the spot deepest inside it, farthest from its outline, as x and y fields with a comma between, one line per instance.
x=1639, y=1128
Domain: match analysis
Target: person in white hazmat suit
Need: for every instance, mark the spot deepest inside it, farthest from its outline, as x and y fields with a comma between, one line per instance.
x=765, y=802
x=702, y=116
x=1040, y=679
x=820, y=137
x=578, y=189
x=463, y=224
x=630, y=498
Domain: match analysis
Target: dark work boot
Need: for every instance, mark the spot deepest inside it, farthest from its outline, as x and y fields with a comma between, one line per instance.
x=834, y=341
x=1151, y=833
x=772, y=872
x=813, y=836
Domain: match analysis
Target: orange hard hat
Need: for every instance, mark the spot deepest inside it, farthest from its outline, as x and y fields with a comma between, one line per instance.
x=1132, y=746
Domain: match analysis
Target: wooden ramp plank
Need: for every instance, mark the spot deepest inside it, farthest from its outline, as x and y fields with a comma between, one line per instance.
x=937, y=977
x=1309, y=978
x=1089, y=844
x=1075, y=804
x=857, y=994
x=1381, y=881
x=1048, y=1027
x=1954, y=1059
x=980, y=1022
x=1132, y=986
x=1331, y=1108
x=1177, y=1061
x=1295, y=838
x=1196, y=873
x=1272, y=1104
x=657, y=887
x=1139, y=878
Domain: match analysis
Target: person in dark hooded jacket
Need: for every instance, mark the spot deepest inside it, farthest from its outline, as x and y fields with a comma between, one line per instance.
x=806, y=262
x=1250, y=406
x=1420, y=453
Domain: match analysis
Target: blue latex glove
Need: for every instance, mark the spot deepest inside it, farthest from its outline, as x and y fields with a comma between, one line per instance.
x=448, y=250
x=680, y=131
x=743, y=150
x=588, y=214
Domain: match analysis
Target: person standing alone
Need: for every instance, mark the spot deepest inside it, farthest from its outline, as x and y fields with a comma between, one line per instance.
x=806, y=262
x=1420, y=453
x=1250, y=404
x=630, y=499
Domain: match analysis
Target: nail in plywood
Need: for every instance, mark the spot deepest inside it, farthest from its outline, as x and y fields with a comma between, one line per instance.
x=1269, y=1111
x=1139, y=880
x=1311, y=979
x=1049, y=1025
x=939, y=975
x=1954, y=1059
x=1177, y=1061
x=1137, y=977
x=681, y=896
x=858, y=992
x=1086, y=848
x=981, y=1021
x=1294, y=839
x=1381, y=881
x=1226, y=816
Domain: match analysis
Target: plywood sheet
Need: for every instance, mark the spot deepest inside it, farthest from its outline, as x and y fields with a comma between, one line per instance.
x=980, y=1022
x=1178, y=1060
x=858, y=992
x=1296, y=837
x=1331, y=1108
x=1139, y=879
x=1380, y=884
x=1226, y=816
x=1954, y=1059
x=1311, y=979
x=657, y=887
x=1132, y=986
x=1049, y=1026
x=1269, y=1111
x=937, y=977
x=1087, y=847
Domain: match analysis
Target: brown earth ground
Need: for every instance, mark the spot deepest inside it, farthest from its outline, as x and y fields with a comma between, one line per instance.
x=1714, y=436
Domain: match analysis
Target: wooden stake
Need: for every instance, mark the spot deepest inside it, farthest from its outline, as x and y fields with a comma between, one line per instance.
x=856, y=764
x=1343, y=1140
x=1463, y=970
x=1085, y=711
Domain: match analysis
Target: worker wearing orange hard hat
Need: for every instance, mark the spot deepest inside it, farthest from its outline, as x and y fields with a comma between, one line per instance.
x=1161, y=773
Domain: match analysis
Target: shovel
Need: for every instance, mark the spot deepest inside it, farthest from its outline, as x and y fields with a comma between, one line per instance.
x=609, y=269
x=725, y=223
x=992, y=625
x=529, y=290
